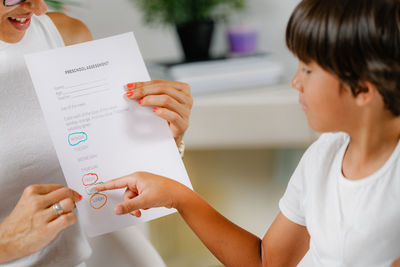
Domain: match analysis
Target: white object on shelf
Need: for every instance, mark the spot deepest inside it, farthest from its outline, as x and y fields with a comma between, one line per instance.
x=223, y=74
x=268, y=116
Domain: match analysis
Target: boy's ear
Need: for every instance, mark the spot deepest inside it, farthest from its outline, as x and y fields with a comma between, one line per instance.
x=367, y=94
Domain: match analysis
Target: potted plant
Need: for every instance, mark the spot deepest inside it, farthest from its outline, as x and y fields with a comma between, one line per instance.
x=54, y=4
x=59, y=5
x=194, y=20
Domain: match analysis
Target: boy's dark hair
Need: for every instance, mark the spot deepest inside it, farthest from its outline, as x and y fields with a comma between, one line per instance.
x=356, y=40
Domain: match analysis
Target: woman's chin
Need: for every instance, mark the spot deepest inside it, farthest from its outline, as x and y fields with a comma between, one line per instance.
x=14, y=37
x=13, y=33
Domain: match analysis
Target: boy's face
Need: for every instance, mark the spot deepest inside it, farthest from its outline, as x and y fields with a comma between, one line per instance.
x=329, y=107
x=15, y=20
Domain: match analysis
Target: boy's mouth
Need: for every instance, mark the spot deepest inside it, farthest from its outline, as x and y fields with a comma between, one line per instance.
x=303, y=106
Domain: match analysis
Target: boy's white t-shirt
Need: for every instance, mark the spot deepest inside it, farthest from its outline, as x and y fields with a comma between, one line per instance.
x=350, y=222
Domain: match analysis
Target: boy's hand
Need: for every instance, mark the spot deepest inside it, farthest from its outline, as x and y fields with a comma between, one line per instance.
x=396, y=263
x=143, y=191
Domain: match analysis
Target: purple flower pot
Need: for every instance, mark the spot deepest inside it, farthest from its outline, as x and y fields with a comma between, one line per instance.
x=242, y=40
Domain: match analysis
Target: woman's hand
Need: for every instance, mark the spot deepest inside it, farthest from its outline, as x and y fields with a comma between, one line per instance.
x=172, y=102
x=143, y=191
x=34, y=222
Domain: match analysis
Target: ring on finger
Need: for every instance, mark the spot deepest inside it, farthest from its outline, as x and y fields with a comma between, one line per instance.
x=58, y=208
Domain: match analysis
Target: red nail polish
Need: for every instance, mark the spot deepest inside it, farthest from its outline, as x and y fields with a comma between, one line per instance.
x=154, y=109
x=80, y=196
x=130, y=86
x=129, y=94
x=140, y=101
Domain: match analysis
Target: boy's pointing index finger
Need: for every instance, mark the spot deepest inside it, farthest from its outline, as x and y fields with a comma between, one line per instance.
x=117, y=183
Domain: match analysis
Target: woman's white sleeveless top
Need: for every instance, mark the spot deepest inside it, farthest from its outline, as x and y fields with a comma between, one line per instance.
x=26, y=153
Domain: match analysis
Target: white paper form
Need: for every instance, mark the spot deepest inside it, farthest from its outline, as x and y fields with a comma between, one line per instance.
x=98, y=133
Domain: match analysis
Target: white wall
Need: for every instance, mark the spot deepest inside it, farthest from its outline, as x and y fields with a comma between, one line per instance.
x=105, y=18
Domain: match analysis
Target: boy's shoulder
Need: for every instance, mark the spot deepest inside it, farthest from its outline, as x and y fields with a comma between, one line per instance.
x=326, y=148
x=330, y=142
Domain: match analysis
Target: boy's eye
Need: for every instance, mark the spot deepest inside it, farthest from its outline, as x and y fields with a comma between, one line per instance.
x=306, y=71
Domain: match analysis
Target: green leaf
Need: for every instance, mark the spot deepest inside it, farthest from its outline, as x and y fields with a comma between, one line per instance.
x=59, y=5
x=183, y=11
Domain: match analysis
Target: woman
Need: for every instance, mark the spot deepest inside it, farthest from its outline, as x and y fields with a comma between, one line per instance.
x=38, y=226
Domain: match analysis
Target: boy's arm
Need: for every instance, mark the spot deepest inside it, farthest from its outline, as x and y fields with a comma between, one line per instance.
x=284, y=244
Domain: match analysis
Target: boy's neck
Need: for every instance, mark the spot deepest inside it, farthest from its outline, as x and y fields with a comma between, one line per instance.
x=371, y=144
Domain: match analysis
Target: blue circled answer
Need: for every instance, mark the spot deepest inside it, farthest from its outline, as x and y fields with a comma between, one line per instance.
x=75, y=139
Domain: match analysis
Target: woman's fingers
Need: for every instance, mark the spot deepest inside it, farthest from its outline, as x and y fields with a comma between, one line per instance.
x=167, y=94
x=177, y=123
x=180, y=86
x=171, y=99
x=60, y=194
x=165, y=88
x=165, y=101
x=39, y=189
x=67, y=206
x=62, y=222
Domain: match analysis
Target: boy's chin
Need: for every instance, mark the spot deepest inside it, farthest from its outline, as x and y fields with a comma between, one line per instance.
x=320, y=128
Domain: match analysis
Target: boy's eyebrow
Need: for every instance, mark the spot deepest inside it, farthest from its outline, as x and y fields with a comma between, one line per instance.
x=309, y=64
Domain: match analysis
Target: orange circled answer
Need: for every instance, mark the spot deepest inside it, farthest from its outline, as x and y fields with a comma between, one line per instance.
x=98, y=206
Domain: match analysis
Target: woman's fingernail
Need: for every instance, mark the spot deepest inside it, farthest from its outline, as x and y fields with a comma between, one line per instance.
x=154, y=109
x=140, y=101
x=118, y=210
x=80, y=196
x=130, y=86
x=129, y=94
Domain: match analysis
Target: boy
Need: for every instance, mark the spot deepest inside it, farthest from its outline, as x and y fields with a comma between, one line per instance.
x=342, y=202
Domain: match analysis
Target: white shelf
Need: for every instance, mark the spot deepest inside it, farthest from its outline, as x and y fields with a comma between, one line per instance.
x=249, y=118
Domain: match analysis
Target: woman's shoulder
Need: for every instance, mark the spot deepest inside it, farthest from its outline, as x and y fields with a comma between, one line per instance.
x=72, y=31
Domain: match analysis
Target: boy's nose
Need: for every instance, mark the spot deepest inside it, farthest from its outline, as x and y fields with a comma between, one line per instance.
x=37, y=7
x=296, y=84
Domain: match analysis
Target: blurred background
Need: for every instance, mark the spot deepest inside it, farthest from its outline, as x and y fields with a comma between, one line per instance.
x=247, y=131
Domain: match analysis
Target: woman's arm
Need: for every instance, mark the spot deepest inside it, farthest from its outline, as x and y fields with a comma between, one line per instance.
x=284, y=244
